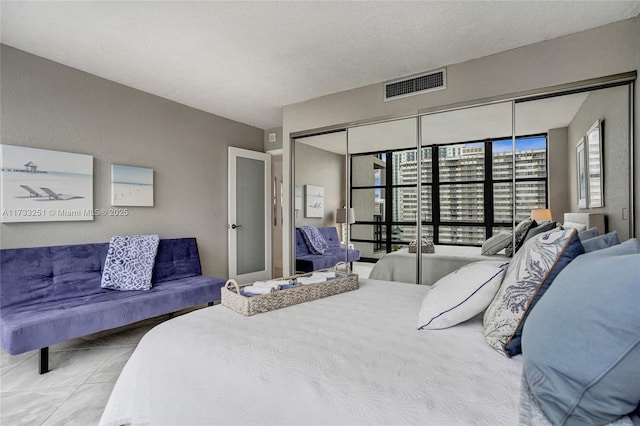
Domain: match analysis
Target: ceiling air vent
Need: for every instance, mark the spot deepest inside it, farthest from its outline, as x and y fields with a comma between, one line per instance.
x=435, y=80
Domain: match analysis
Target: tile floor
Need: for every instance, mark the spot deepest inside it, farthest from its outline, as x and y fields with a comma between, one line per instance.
x=83, y=372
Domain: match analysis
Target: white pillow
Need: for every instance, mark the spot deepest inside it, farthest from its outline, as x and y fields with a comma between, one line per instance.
x=461, y=295
x=575, y=225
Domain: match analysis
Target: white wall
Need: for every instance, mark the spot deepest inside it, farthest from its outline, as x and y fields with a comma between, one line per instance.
x=602, y=51
x=50, y=106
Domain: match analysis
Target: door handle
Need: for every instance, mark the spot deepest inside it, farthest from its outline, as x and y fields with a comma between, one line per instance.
x=234, y=226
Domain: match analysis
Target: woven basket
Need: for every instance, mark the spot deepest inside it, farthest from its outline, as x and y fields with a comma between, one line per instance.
x=232, y=299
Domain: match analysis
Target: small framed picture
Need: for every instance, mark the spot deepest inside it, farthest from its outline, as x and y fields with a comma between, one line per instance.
x=131, y=186
x=314, y=201
x=581, y=163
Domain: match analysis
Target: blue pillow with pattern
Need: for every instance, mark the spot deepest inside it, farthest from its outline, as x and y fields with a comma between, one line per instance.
x=528, y=276
x=129, y=262
x=315, y=241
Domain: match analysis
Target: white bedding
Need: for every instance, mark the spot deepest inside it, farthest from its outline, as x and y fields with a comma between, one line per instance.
x=401, y=265
x=354, y=358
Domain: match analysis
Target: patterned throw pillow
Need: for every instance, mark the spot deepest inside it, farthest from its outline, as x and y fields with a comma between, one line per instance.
x=520, y=232
x=315, y=241
x=528, y=276
x=129, y=262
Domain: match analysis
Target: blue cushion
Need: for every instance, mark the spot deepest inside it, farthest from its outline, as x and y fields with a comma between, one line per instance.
x=601, y=242
x=581, y=342
x=589, y=233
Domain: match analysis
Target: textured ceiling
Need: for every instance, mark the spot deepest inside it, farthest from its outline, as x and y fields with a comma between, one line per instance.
x=245, y=60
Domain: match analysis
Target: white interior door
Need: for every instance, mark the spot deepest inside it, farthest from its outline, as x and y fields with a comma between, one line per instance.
x=249, y=227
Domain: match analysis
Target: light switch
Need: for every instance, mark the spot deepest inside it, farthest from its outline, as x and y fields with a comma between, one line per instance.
x=272, y=137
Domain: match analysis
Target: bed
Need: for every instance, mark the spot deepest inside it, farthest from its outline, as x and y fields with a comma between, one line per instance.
x=354, y=358
x=401, y=265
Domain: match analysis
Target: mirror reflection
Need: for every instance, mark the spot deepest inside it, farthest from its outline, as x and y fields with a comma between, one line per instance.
x=321, y=215
x=477, y=183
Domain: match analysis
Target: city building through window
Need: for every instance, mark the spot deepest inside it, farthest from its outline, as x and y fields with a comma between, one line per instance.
x=466, y=190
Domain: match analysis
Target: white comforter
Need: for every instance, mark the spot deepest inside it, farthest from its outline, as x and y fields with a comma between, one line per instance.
x=350, y=359
x=401, y=265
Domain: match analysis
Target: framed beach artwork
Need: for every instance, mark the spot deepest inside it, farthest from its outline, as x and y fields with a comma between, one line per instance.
x=581, y=163
x=131, y=186
x=39, y=185
x=314, y=201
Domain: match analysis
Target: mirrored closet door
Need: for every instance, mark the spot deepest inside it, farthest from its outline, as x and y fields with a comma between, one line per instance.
x=467, y=183
x=588, y=154
x=319, y=201
x=383, y=191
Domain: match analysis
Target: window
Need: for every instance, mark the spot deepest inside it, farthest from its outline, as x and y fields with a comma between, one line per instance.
x=467, y=191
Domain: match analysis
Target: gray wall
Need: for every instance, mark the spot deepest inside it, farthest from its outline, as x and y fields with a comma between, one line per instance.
x=602, y=51
x=50, y=106
x=636, y=133
x=558, y=152
x=321, y=168
x=270, y=146
x=610, y=105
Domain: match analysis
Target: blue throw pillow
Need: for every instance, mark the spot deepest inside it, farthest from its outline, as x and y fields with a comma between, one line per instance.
x=315, y=241
x=589, y=233
x=129, y=262
x=601, y=242
x=581, y=342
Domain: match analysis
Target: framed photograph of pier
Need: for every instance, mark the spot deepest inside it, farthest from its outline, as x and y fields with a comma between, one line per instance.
x=314, y=201
x=131, y=186
x=39, y=185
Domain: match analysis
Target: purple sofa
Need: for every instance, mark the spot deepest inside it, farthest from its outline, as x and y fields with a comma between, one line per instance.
x=306, y=261
x=52, y=294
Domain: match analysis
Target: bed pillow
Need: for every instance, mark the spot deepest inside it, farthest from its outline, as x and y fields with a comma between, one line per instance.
x=581, y=343
x=461, y=295
x=520, y=232
x=314, y=239
x=575, y=225
x=496, y=243
x=528, y=276
x=539, y=229
x=601, y=242
x=129, y=262
x=589, y=233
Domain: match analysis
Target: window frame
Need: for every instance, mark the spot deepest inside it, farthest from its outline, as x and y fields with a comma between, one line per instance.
x=489, y=223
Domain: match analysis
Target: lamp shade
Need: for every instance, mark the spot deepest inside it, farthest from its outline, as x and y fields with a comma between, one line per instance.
x=540, y=215
x=345, y=215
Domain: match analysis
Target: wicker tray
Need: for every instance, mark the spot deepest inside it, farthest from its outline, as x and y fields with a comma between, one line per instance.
x=232, y=299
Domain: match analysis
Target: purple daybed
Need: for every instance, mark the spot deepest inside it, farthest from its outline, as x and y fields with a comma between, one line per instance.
x=52, y=294
x=306, y=261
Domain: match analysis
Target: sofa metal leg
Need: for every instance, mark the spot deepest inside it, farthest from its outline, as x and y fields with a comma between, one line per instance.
x=210, y=304
x=44, y=360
